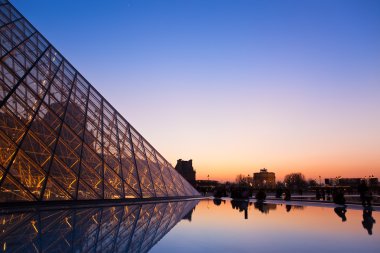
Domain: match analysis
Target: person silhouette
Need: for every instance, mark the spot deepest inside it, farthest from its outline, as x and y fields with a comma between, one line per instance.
x=323, y=194
x=288, y=208
x=368, y=220
x=341, y=212
x=364, y=193
x=338, y=197
x=287, y=194
x=317, y=194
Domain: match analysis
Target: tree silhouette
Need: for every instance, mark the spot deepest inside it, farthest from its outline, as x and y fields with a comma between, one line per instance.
x=295, y=181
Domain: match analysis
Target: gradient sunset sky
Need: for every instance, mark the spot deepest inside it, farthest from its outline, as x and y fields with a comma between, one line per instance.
x=293, y=86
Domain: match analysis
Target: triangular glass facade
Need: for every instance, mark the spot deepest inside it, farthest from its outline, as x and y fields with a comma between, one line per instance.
x=59, y=138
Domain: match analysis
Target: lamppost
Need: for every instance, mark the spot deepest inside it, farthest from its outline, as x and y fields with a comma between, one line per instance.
x=208, y=182
x=370, y=177
x=250, y=187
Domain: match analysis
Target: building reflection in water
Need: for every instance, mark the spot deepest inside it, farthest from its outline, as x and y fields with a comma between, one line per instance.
x=131, y=228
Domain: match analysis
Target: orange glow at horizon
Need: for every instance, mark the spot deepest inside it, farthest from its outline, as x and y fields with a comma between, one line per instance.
x=293, y=132
x=311, y=172
x=327, y=145
x=325, y=166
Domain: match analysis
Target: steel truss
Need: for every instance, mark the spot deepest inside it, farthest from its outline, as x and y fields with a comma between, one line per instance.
x=59, y=138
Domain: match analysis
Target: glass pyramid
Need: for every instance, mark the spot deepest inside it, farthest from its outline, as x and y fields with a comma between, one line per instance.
x=59, y=138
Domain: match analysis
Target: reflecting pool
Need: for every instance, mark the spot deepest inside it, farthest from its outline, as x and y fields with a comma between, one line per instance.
x=192, y=226
x=233, y=226
x=130, y=228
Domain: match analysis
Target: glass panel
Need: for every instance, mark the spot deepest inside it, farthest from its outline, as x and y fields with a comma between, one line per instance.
x=110, y=192
x=144, y=175
x=11, y=191
x=129, y=189
x=7, y=149
x=71, y=140
x=36, y=150
x=113, y=180
x=178, y=182
x=75, y=117
x=85, y=192
x=47, y=120
x=10, y=125
x=92, y=160
x=43, y=132
x=54, y=192
x=7, y=81
x=112, y=162
x=159, y=184
x=127, y=163
x=28, y=174
x=64, y=177
x=67, y=156
x=92, y=179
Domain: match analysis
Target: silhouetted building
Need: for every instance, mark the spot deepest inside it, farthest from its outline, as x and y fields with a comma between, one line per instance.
x=185, y=168
x=373, y=181
x=352, y=182
x=264, y=179
x=207, y=183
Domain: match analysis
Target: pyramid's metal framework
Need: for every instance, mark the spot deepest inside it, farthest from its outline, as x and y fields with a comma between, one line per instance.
x=59, y=138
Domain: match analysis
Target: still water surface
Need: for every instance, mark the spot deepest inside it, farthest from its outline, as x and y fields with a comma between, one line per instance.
x=128, y=228
x=192, y=226
x=225, y=226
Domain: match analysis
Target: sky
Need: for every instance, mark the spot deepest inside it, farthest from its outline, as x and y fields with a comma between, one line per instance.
x=235, y=85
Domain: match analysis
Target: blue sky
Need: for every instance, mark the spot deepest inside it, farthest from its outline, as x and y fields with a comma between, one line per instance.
x=236, y=85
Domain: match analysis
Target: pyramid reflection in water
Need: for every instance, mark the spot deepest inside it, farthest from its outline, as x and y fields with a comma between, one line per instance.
x=133, y=228
x=59, y=138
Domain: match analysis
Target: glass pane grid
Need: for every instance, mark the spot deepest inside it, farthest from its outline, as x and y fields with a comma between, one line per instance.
x=60, y=139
